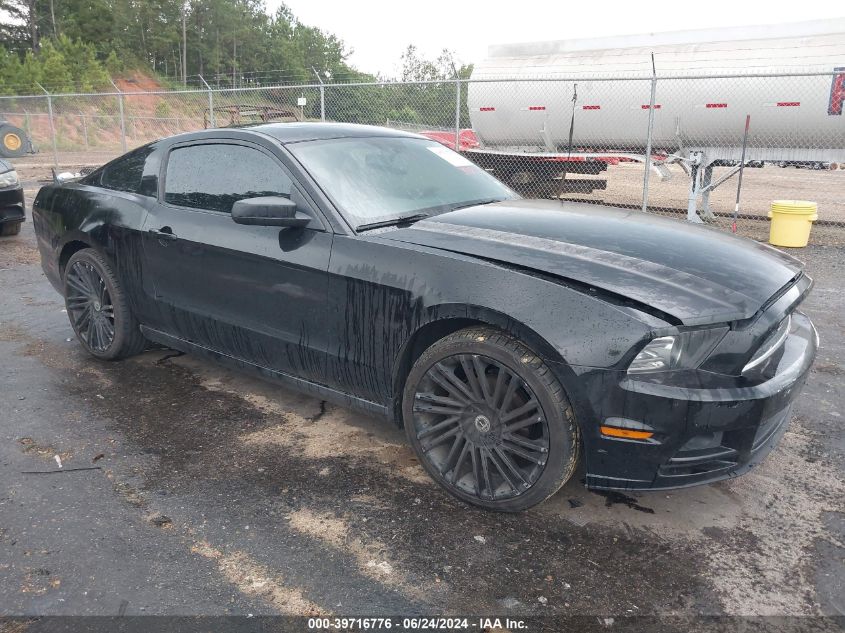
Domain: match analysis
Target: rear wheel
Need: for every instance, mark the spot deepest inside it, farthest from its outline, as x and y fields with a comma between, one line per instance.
x=489, y=421
x=98, y=309
x=10, y=228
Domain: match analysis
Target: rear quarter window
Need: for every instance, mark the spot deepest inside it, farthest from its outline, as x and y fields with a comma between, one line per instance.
x=124, y=174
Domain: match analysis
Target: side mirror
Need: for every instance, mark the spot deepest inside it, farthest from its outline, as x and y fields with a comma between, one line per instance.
x=268, y=211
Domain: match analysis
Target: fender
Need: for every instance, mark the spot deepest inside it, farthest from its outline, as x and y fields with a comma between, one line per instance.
x=444, y=319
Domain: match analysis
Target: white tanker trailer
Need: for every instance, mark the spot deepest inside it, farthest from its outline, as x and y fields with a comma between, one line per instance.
x=540, y=110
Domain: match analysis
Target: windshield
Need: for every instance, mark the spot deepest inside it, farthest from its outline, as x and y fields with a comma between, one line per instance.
x=379, y=179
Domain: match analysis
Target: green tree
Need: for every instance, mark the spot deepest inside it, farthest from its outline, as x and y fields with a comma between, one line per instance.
x=77, y=44
x=12, y=77
x=56, y=75
x=32, y=73
x=86, y=72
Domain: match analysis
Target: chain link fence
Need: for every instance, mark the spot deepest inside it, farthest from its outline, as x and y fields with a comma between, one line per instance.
x=667, y=145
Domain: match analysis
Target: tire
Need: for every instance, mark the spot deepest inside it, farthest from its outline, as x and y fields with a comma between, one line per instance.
x=10, y=228
x=13, y=141
x=458, y=428
x=90, y=287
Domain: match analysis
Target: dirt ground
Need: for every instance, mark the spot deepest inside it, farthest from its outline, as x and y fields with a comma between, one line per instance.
x=760, y=186
x=210, y=492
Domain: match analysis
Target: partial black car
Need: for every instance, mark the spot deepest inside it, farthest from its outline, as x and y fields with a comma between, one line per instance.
x=378, y=269
x=12, y=213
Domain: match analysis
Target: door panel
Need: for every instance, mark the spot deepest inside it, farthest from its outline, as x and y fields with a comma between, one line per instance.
x=256, y=293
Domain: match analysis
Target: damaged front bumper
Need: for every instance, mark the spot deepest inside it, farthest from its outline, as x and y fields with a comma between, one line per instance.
x=704, y=427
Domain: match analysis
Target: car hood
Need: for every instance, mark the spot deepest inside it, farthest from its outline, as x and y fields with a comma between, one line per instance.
x=696, y=274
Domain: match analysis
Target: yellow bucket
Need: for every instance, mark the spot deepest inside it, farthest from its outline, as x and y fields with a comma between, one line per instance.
x=791, y=222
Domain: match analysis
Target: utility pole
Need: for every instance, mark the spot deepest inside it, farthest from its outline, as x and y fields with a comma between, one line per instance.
x=184, y=46
x=217, y=56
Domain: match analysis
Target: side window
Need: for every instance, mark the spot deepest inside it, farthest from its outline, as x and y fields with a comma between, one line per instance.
x=215, y=176
x=124, y=174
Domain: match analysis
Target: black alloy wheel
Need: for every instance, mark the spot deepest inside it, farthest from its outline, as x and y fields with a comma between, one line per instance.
x=98, y=309
x=89, y=306
x=491, y=434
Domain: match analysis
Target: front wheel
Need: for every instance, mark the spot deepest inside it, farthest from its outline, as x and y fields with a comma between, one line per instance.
x=489, y=421
x=98, y=308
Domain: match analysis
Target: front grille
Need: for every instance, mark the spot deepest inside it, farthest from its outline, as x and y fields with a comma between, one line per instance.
x=691, y=463
x=713, y=453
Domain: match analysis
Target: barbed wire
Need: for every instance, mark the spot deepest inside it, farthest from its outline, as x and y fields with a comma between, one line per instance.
x=481, y=76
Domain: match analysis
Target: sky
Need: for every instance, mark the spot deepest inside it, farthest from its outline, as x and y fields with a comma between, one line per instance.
x=379, y=30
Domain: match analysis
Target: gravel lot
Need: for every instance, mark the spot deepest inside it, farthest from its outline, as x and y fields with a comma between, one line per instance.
x=759, y=187
x=218, y=493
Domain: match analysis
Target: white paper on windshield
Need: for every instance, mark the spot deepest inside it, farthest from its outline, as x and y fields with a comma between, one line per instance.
x=453, y=158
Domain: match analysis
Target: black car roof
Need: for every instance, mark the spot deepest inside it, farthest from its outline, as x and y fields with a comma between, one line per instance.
x=295, y=132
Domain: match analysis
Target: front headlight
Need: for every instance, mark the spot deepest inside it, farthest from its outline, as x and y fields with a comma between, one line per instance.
x=658, y=355
x=9, y=178
x=686, y=350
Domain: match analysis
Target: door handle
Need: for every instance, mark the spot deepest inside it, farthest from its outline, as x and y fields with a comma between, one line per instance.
x=164, y=234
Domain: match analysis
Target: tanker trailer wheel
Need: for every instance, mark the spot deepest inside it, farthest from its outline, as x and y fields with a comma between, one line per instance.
x=12, y=141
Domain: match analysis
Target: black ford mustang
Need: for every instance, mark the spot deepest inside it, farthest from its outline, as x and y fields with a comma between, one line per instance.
x=383, y=271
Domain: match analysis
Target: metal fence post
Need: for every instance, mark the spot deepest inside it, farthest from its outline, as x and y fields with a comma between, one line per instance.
x=650, y=132
x=122, y=119
x=458, y=114
x=211, y=120
x=322, y=96
x=84, y=128
x=52, y=125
